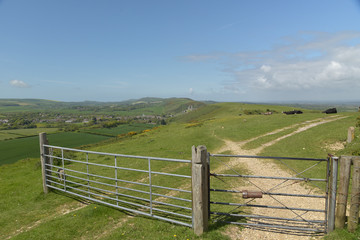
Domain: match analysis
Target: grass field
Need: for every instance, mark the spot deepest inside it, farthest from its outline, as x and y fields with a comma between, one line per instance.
x=28, y=139
x=18, y=133
x=26, y=213
x=16, y=149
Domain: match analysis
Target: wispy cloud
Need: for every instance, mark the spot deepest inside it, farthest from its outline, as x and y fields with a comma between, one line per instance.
x=19, y=84
x=226, y=26
x=326, y=61
x=309, y=60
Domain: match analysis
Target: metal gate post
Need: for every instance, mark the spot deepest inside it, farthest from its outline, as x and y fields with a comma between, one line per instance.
x=44, y=160
x=332, y=194
x=200, y=191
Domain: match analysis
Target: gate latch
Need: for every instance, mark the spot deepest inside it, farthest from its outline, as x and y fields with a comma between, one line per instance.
x=251, y=194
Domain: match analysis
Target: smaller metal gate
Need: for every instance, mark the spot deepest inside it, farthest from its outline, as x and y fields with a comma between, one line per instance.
x=263, y=202
x=137, y=184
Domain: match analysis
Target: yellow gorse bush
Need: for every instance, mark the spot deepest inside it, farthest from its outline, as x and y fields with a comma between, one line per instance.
x=193, y=125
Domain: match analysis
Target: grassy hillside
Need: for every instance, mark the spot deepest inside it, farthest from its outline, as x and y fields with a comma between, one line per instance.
x=147, y=106
x=26, y=213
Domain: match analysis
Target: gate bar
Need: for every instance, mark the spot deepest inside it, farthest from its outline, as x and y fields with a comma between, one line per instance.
x=123, y=168
x=267, y=177
x=118, y=155
x=265, y=206
x=270, y=193
x=123, y=208
x=268, y=157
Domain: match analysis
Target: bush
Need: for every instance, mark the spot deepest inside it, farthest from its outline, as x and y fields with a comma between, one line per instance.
x=131, y=133
x=252, y=112
x=110, y=124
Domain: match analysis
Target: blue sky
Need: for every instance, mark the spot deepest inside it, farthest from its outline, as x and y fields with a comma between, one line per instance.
x=113, y=50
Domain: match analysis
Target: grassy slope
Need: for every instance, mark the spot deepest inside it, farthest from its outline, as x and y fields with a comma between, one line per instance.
x=147, y=106
x=23, y=203
x=315, y=141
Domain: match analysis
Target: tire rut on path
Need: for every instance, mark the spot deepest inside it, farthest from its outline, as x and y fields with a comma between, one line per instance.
x=263, y=167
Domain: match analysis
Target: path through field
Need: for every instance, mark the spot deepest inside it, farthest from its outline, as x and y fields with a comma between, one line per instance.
x=58, y=212
x=262, y=167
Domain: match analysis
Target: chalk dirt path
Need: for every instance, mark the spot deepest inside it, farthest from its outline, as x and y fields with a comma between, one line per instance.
x=268, y=168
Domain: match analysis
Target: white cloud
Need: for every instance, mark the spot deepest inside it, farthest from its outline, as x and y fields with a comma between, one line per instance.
x=328, y=62
x=263, y=81
x=307, y=66
x=19, y=84
x=191, y=91
x=265, y=68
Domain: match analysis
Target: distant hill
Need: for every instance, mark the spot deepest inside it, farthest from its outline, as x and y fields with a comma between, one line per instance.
x=143, y=106
x=133, y=107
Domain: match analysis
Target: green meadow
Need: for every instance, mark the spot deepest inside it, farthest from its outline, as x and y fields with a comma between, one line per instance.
x=21, y=148
x=18, y=144
x=27, y=213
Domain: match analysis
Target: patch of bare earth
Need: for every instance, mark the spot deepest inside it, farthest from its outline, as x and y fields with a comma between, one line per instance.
x=263, y=167
x=335, y=146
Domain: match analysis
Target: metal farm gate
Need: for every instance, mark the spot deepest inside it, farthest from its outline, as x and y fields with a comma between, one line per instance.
x=290, y=203
x=215, y=187
x=155, y=187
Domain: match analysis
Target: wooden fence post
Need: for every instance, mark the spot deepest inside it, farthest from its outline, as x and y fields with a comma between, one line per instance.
x=351, y=134
x=332, y=194
x=200, y=189
x=355, y=196
x=342, y=195
x=44, y=160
